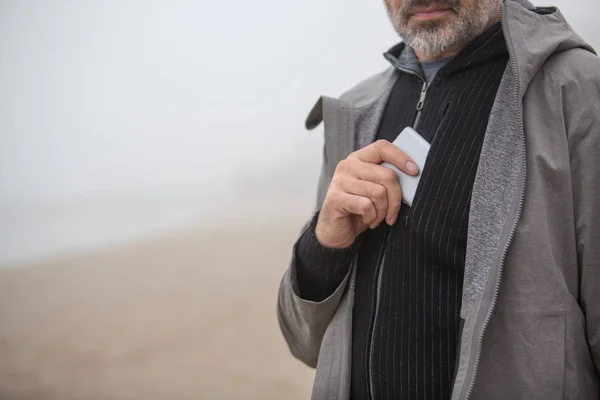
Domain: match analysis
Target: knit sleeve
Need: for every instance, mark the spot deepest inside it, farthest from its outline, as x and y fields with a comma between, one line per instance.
x=321, y=270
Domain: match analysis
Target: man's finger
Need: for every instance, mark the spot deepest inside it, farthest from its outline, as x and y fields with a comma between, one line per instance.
x=375, y=192
x=357, y=205
x=384, y=151
x=387, y=178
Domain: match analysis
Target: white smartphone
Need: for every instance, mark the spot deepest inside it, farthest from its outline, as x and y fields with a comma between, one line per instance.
x=417, y=148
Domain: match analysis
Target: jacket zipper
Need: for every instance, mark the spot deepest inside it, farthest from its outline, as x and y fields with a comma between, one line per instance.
x=519, y=209
x=382, y=257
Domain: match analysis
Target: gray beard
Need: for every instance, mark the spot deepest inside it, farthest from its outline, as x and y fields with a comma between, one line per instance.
x=435, y=38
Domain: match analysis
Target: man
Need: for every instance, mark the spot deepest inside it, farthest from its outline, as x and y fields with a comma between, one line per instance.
x=488, y=286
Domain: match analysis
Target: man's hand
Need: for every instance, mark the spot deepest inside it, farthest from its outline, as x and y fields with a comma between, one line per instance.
x=362, y=194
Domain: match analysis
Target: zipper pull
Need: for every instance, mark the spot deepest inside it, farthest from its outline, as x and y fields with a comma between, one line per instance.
x=423, y=95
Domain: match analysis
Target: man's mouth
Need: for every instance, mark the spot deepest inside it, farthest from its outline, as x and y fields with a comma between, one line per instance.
x=430, y=12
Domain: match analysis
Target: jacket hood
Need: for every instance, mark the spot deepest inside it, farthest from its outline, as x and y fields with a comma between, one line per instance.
x=533, y=35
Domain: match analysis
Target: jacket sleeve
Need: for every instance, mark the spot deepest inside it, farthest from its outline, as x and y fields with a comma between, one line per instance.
x=583, y=129
x=306, y=306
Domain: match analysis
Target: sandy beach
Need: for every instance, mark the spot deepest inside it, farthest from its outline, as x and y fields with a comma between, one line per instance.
x=188, y=316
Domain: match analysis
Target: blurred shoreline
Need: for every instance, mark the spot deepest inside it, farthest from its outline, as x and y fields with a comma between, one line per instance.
x=187, y=315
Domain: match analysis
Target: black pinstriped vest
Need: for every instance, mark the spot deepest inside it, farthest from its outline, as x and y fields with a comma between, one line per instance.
x=409, y=276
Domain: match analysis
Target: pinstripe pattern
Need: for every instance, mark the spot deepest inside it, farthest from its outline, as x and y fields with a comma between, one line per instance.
x=416, y=334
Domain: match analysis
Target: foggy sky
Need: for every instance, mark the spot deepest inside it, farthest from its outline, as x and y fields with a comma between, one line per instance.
x=155, y=98
x=119, y=118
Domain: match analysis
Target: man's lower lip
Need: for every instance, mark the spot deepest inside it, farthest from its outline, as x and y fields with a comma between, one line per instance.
x=430, y=14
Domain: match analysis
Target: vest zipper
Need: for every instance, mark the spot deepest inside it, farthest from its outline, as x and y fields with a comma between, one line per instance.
x=380, y=262
x=382, y=256
x=420, y=104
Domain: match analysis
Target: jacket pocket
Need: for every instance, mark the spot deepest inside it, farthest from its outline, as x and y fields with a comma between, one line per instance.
x=523, y=355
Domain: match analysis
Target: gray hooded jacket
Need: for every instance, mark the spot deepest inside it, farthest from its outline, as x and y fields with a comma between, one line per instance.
x=531, y=297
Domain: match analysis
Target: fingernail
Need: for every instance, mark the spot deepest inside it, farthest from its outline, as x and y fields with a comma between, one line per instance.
x=393, y=220
x=412, y=167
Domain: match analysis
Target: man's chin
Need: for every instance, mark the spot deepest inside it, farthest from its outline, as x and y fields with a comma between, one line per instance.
x=426, y=27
